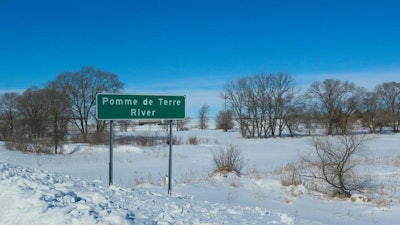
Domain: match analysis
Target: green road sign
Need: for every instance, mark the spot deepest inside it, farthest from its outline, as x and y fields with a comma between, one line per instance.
x=127, y=107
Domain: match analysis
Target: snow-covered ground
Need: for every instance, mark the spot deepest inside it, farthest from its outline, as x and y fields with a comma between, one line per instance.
x=73, y=188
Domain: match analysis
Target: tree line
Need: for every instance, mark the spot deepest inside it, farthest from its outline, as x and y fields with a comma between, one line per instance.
x=263, y=105
x=37, y=120
x=266, y=105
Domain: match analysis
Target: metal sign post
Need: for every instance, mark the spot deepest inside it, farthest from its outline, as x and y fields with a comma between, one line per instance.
x=170, y=160
x=110, y=170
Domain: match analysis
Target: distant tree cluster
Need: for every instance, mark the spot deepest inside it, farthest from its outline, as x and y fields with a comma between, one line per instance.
x=37, y=120
x=265, y=105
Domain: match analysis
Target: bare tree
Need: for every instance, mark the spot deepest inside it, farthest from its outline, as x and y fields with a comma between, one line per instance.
x=224, y=120
x=295, y=113
x=235, y=95
x=81, y=88
x=389, y=96
x=285, y=101
x=335, y=159
x=8, y=114
x=59, y=115
x=263, y=104
x=337, y=100
x=252, y=106
x=38, y=119
x=371, y=112
x=249, y=102
x=34, y=109
x=33, y=126
x=203, y=116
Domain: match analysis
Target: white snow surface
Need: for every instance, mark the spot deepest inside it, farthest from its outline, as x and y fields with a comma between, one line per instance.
x=72, y=188
x=31, y=196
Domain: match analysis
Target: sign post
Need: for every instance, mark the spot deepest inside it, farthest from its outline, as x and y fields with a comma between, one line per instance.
x=170, y=160
x=140, y=107
x=110, y=170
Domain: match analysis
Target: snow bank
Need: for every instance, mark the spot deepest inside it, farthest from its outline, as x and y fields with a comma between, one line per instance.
x=30, y=196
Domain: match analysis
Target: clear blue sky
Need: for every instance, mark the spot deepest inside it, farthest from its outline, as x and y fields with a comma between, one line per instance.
x=194, y=47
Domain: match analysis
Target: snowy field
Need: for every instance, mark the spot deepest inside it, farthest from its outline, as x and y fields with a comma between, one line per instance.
x=72, y=188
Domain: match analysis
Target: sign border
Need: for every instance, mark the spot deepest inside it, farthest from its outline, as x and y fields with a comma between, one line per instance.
x=144, y=95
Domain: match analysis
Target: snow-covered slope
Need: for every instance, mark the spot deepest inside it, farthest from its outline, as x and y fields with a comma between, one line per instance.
x=31, y=196
x=72, y=188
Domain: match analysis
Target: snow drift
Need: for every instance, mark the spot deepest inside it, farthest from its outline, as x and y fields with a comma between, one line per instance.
x=31, y=196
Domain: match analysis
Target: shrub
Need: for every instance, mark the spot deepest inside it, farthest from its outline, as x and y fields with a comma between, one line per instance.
x=36, y=146
x=146, y=141
x=193, y=141
x=175, y=140
x=290, y=175
x=97, y=138
x=227, y=161
x=334, y=162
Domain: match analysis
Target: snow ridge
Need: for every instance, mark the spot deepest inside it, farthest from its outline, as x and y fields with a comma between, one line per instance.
x=31, y=196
